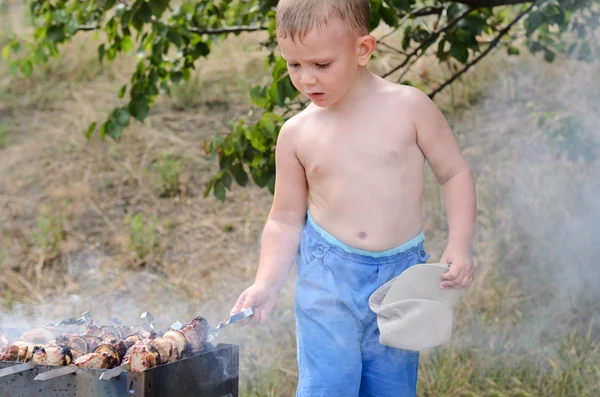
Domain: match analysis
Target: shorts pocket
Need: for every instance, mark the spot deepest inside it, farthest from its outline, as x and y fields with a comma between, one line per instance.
x=310, y=259
x=422, y=254
x=303, y=268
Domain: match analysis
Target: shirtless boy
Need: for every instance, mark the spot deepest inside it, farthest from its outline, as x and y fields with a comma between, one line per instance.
x=347, y=203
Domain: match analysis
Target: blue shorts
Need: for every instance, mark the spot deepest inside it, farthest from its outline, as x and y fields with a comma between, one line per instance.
x=339, y=354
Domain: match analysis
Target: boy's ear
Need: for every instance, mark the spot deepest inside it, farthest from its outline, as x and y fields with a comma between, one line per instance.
x=366, y=47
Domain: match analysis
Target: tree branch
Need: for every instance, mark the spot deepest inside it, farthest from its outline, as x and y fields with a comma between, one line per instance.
x=228, y=29
x=389, y=47
x=490, y=3
x=493, y=44
x=421, y=12
x=431, y=38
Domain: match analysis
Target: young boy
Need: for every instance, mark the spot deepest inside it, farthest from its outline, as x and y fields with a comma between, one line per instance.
x=358, y=150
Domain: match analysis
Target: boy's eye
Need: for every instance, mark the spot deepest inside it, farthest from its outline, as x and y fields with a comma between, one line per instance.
x=323, y=65
x=293, y=65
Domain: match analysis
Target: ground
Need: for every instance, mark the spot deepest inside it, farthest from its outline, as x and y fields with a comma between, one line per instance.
x=76, y=231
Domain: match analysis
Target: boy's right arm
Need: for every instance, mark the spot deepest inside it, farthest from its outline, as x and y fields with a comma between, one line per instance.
x=282, y=231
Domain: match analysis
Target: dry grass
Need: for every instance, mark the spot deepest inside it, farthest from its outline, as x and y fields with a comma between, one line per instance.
x=525, y=328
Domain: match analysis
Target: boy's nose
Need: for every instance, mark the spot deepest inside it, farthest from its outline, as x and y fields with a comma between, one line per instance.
x=308, y=79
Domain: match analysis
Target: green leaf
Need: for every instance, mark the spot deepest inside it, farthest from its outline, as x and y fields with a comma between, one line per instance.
x=227, y=179
x=121, y=92
x=201, y=49
x=259, y=96
x=90, y=130
x=389, y=16
x=219, y=191
x=144, y=13
x=406, y=38
x=534, y=21
x=56, y=33
x=122, y=116
x=459, y=52
x=108, y=4
x=113, y=129
x=279, y=69
x=101, y=51
x=138, y=108
x=6, y=52
x=549, y=56
x=375, y=14
x=176, y=77
x=240, y=175
x=513, y=51
x=26, y=68
x=157, y=7
x=127, y=44
x=174, y=37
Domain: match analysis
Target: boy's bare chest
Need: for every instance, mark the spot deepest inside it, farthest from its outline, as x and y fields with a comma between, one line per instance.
x=357, y=149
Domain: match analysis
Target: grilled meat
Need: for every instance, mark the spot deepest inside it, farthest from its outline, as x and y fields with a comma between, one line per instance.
x=131, y=339
x=196, y=333
x=98, y=360
x=112, y=351
x=179, y=341
x=142, y=356
x=166, y=349
x=52, y=355
x=104, y=347
x=76, y=344
x=18, y=351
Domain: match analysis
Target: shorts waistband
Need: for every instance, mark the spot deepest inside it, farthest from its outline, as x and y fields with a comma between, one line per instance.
x=343, y=248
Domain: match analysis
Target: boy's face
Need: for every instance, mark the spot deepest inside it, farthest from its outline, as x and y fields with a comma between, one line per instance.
x=324, y=64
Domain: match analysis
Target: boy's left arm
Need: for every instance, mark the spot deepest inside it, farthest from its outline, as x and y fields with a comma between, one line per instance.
x=441, y=150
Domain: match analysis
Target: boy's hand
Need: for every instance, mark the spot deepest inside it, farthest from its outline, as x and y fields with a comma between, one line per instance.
x=460, y=274
x=261, y=297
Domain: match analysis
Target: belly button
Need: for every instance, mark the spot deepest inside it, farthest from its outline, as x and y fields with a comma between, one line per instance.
x=362, y=235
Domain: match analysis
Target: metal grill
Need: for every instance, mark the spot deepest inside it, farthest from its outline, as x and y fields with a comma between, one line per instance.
x=214, y=373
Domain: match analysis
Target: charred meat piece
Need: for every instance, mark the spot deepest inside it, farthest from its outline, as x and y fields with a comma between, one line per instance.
x=52, y=355
x=179, y=341
x=96, y=361
x=119, y=345
x=18, y=351
x=9, y=353
x=117, y=351
x=196, y=332
x=131, y=339
x=78, y=346
x=142, y=356
x=166, y=349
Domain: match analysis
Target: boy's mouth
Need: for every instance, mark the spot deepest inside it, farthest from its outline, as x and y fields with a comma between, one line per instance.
x=316, y=95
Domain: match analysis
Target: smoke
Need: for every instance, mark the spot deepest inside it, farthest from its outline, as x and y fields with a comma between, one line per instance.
x=532, y=143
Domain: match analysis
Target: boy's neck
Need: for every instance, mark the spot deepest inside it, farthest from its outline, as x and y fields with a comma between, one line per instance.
x=362, y=84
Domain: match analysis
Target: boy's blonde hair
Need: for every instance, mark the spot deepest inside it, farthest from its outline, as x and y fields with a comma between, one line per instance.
x=296, y=18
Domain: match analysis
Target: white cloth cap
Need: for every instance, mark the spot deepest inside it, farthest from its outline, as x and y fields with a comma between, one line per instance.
x=413, y=312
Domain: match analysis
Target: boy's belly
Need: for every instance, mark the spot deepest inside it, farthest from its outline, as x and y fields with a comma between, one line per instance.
x=365, y=218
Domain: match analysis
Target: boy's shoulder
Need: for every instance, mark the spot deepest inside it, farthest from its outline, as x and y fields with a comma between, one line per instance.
x=402, y=94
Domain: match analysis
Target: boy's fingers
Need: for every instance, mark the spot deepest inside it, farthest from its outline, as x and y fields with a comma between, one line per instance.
x=255, y=319
x=238, y=305
x=453, y=280
x=451, y=274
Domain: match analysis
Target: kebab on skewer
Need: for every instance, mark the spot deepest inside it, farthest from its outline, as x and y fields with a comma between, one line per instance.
x=105, y=347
